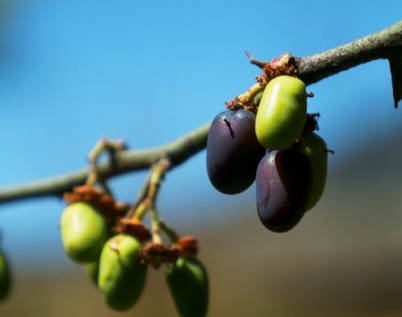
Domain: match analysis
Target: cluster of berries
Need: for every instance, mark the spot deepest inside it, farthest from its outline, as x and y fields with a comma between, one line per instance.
x=277, y=147
x=116, y=253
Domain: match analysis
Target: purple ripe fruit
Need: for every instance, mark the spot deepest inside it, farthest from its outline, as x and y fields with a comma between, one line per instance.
x=284, y=187
x=233, y=151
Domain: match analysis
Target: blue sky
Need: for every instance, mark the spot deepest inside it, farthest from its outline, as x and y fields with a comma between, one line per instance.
x=150, y=71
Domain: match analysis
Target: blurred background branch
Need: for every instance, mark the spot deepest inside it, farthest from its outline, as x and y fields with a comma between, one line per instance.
x=127, y=161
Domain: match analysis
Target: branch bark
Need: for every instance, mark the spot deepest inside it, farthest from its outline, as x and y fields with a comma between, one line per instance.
x=385, y=44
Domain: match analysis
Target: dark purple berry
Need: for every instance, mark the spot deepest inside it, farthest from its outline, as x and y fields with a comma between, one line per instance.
x=284, y=185
x=233, y=151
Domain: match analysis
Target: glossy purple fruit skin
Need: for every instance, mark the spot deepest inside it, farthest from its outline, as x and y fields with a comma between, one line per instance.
x=233, y=151
x=284, y=183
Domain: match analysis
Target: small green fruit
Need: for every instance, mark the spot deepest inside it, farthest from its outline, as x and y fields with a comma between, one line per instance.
x=282, y=112
x=121, y=274
x=257, y=97
x=188, y=284
x=92, y=270
x=5, y=277
x=84, y=231
x=316, y=150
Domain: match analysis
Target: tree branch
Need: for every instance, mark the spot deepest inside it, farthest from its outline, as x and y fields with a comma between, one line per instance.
x=177, y=151
x=381, y=45
x=385, y=44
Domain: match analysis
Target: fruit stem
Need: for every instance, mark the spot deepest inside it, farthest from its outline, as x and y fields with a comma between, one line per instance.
x=245, y=99
x=142, y=194
x=103, y=145
x=329, y=151
x=140, y=212
x=157, y=175
x=156, y=237
x=172, y=235
x=145, y=202
x=158, y=225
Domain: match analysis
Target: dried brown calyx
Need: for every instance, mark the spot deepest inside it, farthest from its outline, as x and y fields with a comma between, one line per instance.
x=101, y=201
x=277, y=67
x=187, y=245
x=156, y=254
x=132, y=227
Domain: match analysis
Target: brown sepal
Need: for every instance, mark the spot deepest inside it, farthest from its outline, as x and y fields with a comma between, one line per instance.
x=93, y=196
x=278, y=67
x=133, y=228
x=187, y=245
x=157, y=253
x=234, y=104
x=252, y=107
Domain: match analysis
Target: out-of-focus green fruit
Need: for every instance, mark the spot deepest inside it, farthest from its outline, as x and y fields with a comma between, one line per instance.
x=92, y=270
x=282, y=112
x=316, y=150
x=188, y=283
x=84, y=231
x=5, y=277
x=121, y=274
x=258, y=96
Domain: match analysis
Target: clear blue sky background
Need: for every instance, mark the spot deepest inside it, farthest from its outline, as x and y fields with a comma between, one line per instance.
x=150, y=71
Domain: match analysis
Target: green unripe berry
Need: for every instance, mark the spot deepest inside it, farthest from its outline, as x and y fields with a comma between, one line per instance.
x=282, y=112
x=92, y=270
x=121, y=274
x=5, y=277
x=188, y=284
x=316, y=150
x=84, y=231
x=257, y=97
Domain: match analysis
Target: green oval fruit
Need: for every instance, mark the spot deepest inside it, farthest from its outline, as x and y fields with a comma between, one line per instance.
x=84, y=231
x=257, y=97
x=121, y=273
x=92, y=270
x=316, y=150
x=188, y=284
x=5, y=277
x=282, y=112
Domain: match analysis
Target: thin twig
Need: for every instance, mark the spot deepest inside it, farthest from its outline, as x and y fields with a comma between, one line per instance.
x=141, y=195
x=254, y=61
